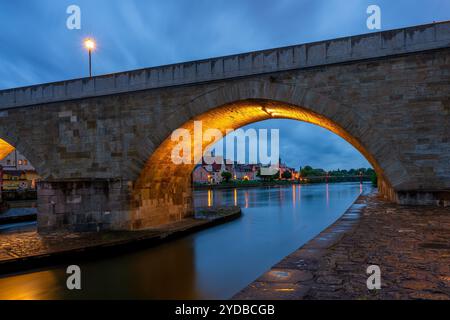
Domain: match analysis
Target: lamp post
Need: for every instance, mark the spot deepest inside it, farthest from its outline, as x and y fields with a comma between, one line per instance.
x=89, y=44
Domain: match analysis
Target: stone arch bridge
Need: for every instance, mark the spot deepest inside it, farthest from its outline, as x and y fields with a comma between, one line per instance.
x=102, y=145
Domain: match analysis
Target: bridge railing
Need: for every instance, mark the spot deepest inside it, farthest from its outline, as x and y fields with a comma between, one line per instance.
x=367, y=46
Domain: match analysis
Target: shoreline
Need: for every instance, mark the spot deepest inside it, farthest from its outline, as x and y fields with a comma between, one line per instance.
x=282, y=283
x=258, y=185
x=333, y=265
x=17, y=218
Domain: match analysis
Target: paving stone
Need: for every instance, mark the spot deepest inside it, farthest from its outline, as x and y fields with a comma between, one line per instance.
x=278, y=291
x=414, y=263
x=286, y=275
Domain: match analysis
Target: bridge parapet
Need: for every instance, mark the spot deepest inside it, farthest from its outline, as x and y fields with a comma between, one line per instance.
x=367, y=46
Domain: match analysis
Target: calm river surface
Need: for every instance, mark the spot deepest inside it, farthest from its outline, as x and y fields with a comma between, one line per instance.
x=212, y=264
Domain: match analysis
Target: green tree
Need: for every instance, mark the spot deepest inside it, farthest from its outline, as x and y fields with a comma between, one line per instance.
x=275, y=176
x=306, y=171
x=286, y=175
x=374, y=178
x=226, y=176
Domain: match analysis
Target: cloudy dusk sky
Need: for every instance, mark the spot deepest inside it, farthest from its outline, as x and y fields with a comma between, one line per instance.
x=36, y=46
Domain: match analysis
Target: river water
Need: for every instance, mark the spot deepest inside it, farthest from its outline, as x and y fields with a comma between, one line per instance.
x=211, y=264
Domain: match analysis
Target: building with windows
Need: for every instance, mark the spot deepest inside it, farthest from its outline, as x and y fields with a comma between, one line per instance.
x=16, y=161
x=212, y=173
x=17, y=172
x=246, y=172
x=207, y=173
x=284, y=168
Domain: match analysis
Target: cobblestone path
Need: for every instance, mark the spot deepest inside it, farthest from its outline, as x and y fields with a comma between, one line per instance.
x=411, y=245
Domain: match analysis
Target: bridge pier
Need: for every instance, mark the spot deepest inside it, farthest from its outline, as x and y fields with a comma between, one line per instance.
x=160, y=202
x=104, y=204
x=386, y=93
x=424, y=197
x=83, y=205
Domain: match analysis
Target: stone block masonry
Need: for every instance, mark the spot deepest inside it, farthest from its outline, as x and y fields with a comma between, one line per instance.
x=102, y=146
x=354, y=48
x=83, y=205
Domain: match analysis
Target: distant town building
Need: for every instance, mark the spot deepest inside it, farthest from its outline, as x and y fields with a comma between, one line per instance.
x=245, y=172
x=16, y=161
x=17, y=172
x=200, y=174
x=284, y=168
x=212, y=173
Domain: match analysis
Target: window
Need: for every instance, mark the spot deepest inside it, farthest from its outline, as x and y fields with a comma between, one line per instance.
x=20, y=162
x=25, y=162
x=8, y=162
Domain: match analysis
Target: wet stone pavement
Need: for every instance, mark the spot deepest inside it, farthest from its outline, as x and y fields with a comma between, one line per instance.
x=410, y=244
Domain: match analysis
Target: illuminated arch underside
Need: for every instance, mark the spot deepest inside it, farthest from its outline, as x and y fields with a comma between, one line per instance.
x=162, y=181
x=5, y=149
x=236, y=115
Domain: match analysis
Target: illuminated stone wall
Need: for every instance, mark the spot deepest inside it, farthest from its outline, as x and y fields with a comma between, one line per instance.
x=5, y=149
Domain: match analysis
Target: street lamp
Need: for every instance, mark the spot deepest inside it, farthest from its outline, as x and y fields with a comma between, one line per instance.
x=89, y=44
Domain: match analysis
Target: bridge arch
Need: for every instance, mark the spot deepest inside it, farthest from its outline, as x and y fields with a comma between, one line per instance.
x=9, y=143
x=26, y=167
x=101, y=145
x=163, y=192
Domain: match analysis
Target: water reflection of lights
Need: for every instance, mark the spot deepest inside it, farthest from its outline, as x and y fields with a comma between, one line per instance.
x=246, y=199
x=294, y=194
x=235, y=197
x=285, y=289
x=299, y=192
x=210, y=198
x=30, y=286
x=328, y=195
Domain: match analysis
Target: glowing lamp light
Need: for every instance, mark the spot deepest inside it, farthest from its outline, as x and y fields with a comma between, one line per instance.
x=89, y=44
